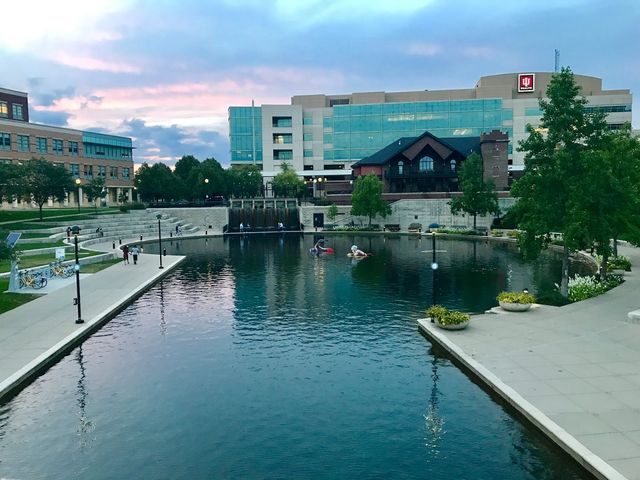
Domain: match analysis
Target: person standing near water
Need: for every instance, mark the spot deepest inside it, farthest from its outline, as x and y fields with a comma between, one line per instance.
x=135, y=251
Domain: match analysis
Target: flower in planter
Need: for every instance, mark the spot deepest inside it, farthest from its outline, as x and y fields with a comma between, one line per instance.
x=445, y=317
x=516, y=297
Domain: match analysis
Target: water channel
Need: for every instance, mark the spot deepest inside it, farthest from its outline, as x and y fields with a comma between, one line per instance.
x=256, y=360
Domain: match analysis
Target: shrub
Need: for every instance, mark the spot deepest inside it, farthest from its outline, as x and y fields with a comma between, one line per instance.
x=436, y=312
x=496, y=233
x=581, y=288
x=516, y=297
x=620, y=262
x=552, y=297
x=512, y=234
x=132, y=206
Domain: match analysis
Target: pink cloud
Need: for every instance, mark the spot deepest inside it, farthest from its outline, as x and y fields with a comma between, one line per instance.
x=94, y=64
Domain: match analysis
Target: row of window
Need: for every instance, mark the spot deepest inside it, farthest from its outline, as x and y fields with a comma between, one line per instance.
x=23, y=144
x=101, y=172
x=425, y=165
x=16, y=110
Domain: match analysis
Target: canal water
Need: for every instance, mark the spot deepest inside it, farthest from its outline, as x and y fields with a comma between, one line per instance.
x=255, y=359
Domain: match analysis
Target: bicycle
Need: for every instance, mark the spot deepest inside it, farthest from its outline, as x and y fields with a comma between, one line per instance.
x=56, y=269
x=33, y=280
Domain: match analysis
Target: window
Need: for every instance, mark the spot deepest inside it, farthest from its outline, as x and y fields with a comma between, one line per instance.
x=307, y=121
x=400, y=167
x=73, y=149
x=88, y=172
x=307, y=137
x=282, y=154
x=125, y=172
x=16, y=110
x=23, y=143
x=74, y=170
x=426, y=164
x=57, y=147
x=281, y=138
x=114, y=172
x=281, y=122
x=41, y=145
x=5, y=141
x=308, y=153
x=4, y=110
x=453, y=165
x=102, y=171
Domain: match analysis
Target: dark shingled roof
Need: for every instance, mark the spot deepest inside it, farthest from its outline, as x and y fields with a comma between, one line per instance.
x=464, y=145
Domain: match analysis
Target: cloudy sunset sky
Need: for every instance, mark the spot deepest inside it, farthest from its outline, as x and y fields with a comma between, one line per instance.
x=165, y=71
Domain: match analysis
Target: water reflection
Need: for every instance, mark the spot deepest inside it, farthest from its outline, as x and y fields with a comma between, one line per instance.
x=85, y=427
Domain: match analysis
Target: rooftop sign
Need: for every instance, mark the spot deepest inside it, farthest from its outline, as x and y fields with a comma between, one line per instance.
x=526, y=82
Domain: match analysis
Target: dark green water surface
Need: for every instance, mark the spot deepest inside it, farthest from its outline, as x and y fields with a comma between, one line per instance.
x=256, y=360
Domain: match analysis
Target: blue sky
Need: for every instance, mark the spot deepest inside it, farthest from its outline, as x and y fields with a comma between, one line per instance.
x=164, y=72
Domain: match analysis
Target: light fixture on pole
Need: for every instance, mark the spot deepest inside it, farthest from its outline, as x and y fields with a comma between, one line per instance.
x=159, y=216
x=75, y=230
x=206, y=189
x=78, y=182
x=434, y=266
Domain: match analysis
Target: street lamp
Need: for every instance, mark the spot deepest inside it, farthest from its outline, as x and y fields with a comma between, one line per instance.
x=78, y=182
x=434, y=266
x=159, y=216
x=76, y=231
x=206, y=190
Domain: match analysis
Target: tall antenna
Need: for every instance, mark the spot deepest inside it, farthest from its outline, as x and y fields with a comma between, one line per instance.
x=557, y=54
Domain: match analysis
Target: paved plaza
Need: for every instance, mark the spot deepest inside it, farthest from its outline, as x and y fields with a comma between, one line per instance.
x=574, y=371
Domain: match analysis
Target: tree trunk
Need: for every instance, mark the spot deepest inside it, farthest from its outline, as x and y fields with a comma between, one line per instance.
x=474, y=221
x=603, y=266
x=564, y=284
x=40, y=208
x=615, y=245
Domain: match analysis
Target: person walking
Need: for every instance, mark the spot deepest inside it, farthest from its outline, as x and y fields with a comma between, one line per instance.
x=125, y=254
x=135, y=251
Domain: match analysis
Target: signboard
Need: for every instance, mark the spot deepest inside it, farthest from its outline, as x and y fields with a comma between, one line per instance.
x=526, y=82
x=12, y=239
x=60, y=254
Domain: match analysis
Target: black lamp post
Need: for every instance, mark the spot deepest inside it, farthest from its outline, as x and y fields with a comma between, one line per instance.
x=78, y=182
x=159, y=216
x=76, y=231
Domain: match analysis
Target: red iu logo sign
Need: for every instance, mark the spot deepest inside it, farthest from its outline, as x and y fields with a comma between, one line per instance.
x=526, y=82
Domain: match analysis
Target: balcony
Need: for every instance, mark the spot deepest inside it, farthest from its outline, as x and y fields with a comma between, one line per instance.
x=436, y=173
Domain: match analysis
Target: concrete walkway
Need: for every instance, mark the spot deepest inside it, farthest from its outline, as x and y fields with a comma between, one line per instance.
x=573, y=371
x=34, y=335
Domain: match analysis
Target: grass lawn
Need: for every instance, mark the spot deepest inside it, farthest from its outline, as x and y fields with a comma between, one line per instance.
x=34, y=246
x=31, y=215
x=38, y=260
x=28, y=235
x=9, y=301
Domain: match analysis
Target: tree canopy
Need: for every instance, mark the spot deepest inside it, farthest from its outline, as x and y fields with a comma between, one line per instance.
x=287, y=183
x=366, y=198
x=557, y=171
x=95, y=190
x=40, y=180
x=478, y=197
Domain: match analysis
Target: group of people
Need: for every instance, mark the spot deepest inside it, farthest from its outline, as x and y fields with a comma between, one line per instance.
x=134, y=251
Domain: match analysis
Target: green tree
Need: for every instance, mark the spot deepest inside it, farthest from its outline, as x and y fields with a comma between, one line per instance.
x=548, y=194
x=155, y=182
x=208, y=179
x=9, y=181
x=367, y=197
x=185, y=165
x=610, y=198
x=244, y=181
x=40, y=180
x=332, y=212
x=287, y=183
x=478, y=197
x=95, y=190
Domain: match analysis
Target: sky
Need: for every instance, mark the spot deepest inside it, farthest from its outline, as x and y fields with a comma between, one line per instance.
x=164, y=72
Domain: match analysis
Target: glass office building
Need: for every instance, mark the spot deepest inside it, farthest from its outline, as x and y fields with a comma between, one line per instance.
x=323, y=135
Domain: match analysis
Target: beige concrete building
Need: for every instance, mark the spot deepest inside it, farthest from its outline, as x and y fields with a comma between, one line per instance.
x=85, y=155
x=321, y=136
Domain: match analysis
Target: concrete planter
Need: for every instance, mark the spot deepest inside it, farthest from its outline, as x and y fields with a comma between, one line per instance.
x=458, y=326
x=515, y=307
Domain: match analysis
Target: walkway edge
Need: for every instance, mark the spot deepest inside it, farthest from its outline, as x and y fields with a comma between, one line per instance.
x=591, y=462
x=39, y=365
